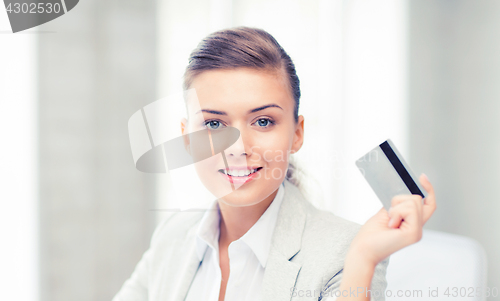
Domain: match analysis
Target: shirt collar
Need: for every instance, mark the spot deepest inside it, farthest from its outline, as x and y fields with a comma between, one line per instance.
x=208, y=230
x=258, y=237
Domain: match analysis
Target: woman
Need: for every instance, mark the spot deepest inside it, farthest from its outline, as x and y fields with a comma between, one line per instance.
x=263, y=240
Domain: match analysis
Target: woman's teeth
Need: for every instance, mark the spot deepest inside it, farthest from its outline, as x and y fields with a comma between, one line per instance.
x=239, y=173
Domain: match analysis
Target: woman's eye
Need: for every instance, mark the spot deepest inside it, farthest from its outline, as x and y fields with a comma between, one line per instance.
x=213, y=124
x=264, y=122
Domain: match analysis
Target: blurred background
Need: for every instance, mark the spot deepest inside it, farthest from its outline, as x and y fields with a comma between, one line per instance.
x=77, y=216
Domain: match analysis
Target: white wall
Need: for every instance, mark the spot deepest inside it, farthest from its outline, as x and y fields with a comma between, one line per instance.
x=455, y=116
x=351, y=59
x=18, y=164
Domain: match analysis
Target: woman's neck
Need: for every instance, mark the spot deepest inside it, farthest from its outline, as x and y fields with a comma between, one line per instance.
x=236, y=221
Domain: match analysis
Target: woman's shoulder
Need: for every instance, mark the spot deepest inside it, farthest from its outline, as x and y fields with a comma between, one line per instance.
x=322, y=223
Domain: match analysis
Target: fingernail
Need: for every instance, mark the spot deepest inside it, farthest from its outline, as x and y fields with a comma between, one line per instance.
x=425, y=176
x=390, y=222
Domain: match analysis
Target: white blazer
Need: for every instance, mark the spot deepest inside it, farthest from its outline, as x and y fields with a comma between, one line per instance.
x=305, y=260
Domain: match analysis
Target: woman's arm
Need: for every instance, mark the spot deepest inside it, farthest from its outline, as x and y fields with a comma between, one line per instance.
x=382, y=235
x=357, y=278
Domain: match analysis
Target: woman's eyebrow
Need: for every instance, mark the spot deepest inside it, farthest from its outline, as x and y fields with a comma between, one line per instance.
x=251, y=111
x=264, y=107
x=212, y=112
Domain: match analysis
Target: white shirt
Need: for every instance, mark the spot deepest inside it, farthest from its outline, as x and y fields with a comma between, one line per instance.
x=247, y=256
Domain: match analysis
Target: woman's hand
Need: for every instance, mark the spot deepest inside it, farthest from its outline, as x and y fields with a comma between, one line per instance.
x=387, y=232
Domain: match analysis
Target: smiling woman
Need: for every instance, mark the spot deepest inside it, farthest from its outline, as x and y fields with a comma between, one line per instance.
x=241, y=98
x=263, y=240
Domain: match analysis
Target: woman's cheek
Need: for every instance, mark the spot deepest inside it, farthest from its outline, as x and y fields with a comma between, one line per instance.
x=208, y=175
x=256, y=157
x=205, y=169
x=277, y=154
x=277, y=167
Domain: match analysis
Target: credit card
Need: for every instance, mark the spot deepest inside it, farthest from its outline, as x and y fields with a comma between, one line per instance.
x=388, y=173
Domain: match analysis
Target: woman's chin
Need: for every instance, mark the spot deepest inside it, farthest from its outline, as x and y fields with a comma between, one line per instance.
x=248, y=197
x=239, y=193
x=240, y=198
x=237, y=202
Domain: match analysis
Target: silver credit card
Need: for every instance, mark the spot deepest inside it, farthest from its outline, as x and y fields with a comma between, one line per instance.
x=388, y=173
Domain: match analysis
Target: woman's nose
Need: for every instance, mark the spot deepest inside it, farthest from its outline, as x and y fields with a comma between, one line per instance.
x=238, y=148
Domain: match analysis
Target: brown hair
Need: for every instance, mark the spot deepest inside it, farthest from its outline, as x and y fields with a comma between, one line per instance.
x=245, y=47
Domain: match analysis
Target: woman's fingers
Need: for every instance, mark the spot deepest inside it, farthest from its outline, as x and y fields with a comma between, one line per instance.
x=398, y=199
x=405, y=204
x=430, y=201
x=409, y=212
x=404, y=197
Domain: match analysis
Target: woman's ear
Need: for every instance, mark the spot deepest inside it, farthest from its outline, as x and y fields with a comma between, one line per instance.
x=184, y=131
x=298, y=139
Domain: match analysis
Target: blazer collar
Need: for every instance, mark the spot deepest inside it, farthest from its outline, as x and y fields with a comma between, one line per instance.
x=287, y=236
x=281, y=273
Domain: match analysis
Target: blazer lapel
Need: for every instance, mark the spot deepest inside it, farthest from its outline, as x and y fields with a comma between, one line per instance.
x=281, y=274
x=189, y=265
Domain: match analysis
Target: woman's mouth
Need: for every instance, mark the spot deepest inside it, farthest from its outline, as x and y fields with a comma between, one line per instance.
x=239, y=175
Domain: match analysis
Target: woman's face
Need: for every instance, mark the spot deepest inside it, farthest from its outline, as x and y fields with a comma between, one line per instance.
x=260, y=105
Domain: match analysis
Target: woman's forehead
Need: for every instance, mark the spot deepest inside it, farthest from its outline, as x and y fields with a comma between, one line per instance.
x=241, y=89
